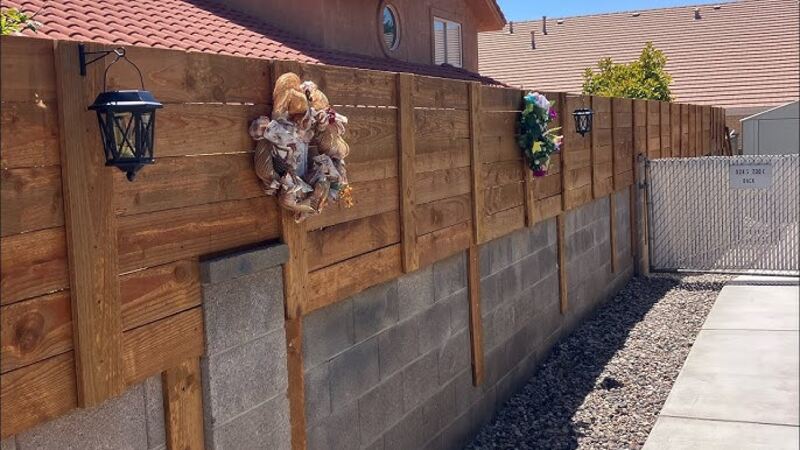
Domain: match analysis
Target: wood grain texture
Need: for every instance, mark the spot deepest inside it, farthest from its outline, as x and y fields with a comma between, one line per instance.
x=296, y=389
x=443, y=243
x=152, y=239
x=684, y=130
x=576, y=156
x=429, y=92
x=28, y=73
x=183, y=405
x=295, y=270
x=666, y=129
x=31, y=137
x=507, y=196
x=349, y=86
x=88, y=199
x=476, y=166
x=34, y=330
x=499, y=173
x=475, y=323
x=369, y=198
x=158, y=292
x=501, y=99
x=437, y=125
x=31, y=199
x=371, y=133
x=675, y=129
x=443, y=213
x=499, y=148
x=347, y=278
x=547, y=186
x=653, y=129
x=562, y=263
x=408, y=181
x=432, y=186
x=602, y=147
x=547, y=207
x=639, y=128
x=32, y=264
x=443, y=160
x=37, y=393
x=504, y=222
x=336, y=243
x=187, y=181
x=161, y=345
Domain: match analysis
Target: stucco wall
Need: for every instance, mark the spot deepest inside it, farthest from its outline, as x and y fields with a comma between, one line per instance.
x=353, y=25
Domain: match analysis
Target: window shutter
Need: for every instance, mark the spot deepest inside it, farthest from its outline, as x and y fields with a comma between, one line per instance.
x=439, y=56
x=454, y=44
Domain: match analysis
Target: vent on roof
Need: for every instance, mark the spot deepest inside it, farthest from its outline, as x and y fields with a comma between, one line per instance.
x=717, y=7
x=560, y=21
x=697, y=15
x=636, y=14
x=544, y=25
x=533, y=40
x=511, y=27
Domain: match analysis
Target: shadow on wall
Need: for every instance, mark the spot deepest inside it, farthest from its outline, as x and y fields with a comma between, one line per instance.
x=541, y=414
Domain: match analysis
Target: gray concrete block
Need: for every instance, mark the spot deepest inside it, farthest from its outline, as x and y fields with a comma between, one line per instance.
x=434, y=327
x=234, y=265
x=263, y=427
x=571, y=223
x=490, y=293
x=505, y=388
x=8, y=443
x=449, y=275
x=466, y=393
x=484, y=260
x=419, y=380
x=458, y=434
x=339, y=431
x=500, y=255
x=317, y=393
x=459, y=310
x=375, y=310
x=500, y=327
x=243, y=309
x=520, y=241
x=415, y=292
x=119, y=423
x=380, y=408
x=510, y=282
x=437, y=443
x=408, y=433
x=483, y=410
x=578, y=243
x=439, y=411
x=454, y=357
x=377, y=445
x=245, y=376
x=154, y=408
x=398, y=346
x=520, y=346
x=540, y=236
x=354, y=372
x=327, y=332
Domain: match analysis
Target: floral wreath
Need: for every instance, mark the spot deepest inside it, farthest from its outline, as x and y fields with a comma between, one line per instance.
x=536, y=140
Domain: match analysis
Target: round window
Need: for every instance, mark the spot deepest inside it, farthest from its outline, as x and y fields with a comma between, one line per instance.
x=391, y=33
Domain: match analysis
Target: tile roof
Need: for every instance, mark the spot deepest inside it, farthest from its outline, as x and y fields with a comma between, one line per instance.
x=200, y=26
x=743, y=54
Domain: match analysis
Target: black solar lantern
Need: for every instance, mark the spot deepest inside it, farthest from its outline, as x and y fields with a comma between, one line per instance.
x=583, y=120
x=127, y=121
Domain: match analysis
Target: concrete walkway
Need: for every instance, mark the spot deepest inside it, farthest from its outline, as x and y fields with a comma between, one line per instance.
x=740, y=386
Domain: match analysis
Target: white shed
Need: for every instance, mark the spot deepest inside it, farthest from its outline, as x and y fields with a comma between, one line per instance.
x=772, y=132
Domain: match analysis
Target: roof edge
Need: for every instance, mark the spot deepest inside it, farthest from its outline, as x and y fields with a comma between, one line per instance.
x=490, y=16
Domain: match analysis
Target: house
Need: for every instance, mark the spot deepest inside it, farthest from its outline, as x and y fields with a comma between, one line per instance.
x=772, y=132
x=743, y=56
x=431, y=37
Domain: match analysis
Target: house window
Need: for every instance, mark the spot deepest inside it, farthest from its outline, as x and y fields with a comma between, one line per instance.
x=446, y=42
x=390, y=28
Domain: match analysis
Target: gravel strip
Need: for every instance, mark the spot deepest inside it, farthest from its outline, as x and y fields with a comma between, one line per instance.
x=604, y=385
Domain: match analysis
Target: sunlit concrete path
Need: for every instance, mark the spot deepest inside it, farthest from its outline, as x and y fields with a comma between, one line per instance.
x=740, y=386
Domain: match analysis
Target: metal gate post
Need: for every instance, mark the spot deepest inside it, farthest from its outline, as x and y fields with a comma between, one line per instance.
x=642, y=265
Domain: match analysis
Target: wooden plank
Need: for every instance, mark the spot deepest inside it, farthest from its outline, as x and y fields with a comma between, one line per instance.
x=675, y=128
x=504, y=222
x=28, y=74
x=295, y=270
x=578, y=178
x=187, y=181
x=296, y=389
x=639, y=128
x=31, y=199
x=685, y=130
x=500, y=99
x=576, y=155
x=497, y=174
x=406, y=122
x=438, y=125
x=548, y=207
x=161, y=345
x=443, y=243
x=342, y=280
x=369, y=198
x=349, y=86
x=441, y=160
x=339, y=242
x=528, y=193
x=602, y=147
x=152, y=239
x=183, y=405
x=432, y=186
x=499, y=148
x=37, y=393
x=429, y=92
x=706, y=126
x=32, y=264
x=476, y=172
x=612, y=222
x=378, y=169
x=30, y=134
x=562, y=264
x=88, y=198
x=443, y=213
x=666, y=130
x=475, y=323
x=371, y=133
x=653, y=129
x=547, y=186
x=34, y=330
x=578, y=197
x=203, y=129
x=158, y=292
x=175, y=76
x=507, y=196
x=623, y=180
x=499, y=123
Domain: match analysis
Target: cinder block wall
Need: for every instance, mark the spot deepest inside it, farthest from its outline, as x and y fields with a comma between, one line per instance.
x=390, y=368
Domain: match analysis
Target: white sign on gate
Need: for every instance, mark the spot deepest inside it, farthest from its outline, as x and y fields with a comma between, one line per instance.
x=751, y=176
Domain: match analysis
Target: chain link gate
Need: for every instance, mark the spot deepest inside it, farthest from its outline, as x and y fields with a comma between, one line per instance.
x=724, y=213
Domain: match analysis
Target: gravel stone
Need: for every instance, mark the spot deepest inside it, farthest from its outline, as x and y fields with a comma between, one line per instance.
x=604, y=385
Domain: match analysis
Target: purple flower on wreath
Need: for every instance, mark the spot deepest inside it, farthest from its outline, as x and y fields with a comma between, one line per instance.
x=552, y=113
x=539, y=172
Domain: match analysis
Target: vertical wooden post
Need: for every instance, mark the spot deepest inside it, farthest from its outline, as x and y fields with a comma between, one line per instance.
x=405, y=144
x=91, y=230
x=294, y=363
x=475, y=163
x=560, y=234
x=593, y=143
x=183, y=406
x=473, y=269
x=530, y=219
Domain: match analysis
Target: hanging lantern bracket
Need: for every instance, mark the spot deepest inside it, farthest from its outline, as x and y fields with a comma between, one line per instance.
x=119, y=52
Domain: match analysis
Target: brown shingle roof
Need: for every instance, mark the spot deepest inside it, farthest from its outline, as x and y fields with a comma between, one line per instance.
x=744, y=54
x=201, y=26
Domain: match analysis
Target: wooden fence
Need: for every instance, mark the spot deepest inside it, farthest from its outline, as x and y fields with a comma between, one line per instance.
x=100, y=282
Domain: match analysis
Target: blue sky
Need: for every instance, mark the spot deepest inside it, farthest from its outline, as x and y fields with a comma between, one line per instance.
x=534, y=9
